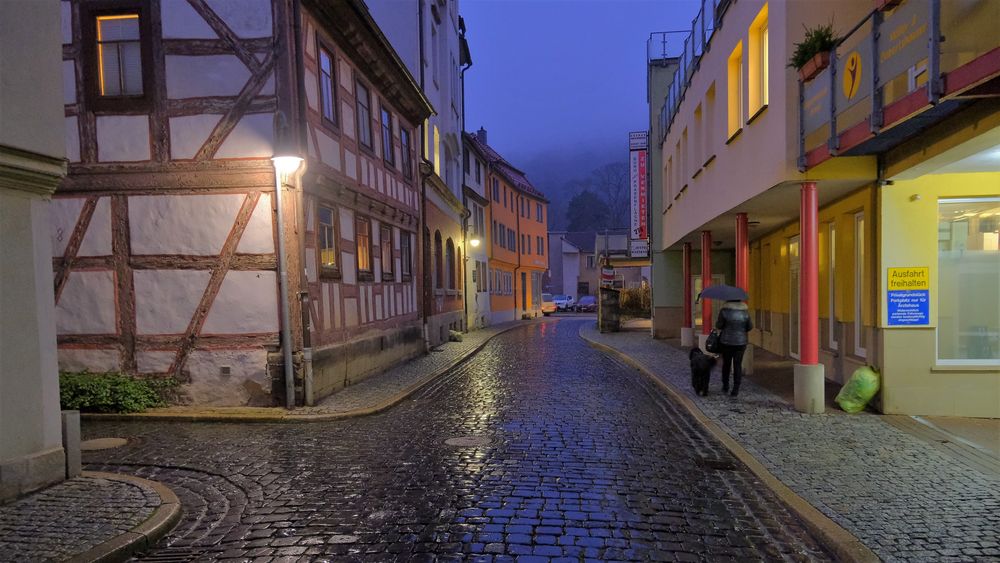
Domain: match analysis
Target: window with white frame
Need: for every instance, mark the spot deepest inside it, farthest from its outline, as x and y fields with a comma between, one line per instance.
x=968, y=296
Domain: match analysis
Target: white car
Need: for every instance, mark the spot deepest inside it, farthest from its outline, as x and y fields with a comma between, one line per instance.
x=564, y=302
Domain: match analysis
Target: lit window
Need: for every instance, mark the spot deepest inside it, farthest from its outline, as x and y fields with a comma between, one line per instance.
x=758, y=64
x=327, y=86
x=327, y=239
x=736, y=112
x=119, y=55
x=968, y=293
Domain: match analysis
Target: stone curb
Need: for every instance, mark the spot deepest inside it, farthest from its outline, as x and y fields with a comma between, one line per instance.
x=844, y=545
x=281, y=415
x=143, y=536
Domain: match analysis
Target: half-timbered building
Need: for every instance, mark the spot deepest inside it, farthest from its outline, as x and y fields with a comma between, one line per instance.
x=164, y=233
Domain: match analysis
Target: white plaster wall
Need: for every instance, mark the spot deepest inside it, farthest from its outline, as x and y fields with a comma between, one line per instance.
x=350, y=312
x=258, y=237
x=247, y=18
x=247, y=302
x=197, y=224
x=311, y=273
x=348, y=269
x=188, y=133
x=180, y=21
x=72, y=139
x=122, y=138
x=312, y=96
x=205, y=75
x=154, y=361
x=63, y=214
x=248, y=368
x=346, y=224
x=165, y=300
x=336, y=306
x=252, y=136
x=350, y=165
x=347, y=116
x=97, y=240
x=87, y=304
x=69, y=82
x=97, y=361
x=29, y=384
x=329, y=150
x=346, y=75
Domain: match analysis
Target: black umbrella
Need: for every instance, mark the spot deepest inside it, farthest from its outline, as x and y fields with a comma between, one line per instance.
x=723, y=293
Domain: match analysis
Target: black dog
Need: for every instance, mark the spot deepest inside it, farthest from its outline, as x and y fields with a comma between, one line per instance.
x=701, y=370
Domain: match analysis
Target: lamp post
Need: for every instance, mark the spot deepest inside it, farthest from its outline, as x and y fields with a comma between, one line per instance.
x=474, y=243
x=284, y=166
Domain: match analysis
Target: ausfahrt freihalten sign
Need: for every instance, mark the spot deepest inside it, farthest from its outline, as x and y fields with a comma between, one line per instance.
x=908, y=296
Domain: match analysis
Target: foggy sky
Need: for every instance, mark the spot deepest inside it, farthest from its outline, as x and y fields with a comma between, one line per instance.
x=562, y=77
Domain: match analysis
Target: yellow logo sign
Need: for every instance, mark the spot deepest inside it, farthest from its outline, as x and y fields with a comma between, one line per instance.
x=908, y=278
x=852, y=75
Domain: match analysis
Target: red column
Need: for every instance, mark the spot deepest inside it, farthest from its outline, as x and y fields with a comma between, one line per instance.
x=809, y=276
x=742, y=252
x=686, y=272
x=706, y=280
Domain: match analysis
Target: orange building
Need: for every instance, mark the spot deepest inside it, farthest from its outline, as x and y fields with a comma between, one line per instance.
x=518, y=252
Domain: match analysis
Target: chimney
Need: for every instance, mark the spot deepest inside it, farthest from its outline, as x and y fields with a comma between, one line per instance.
x=481, y=135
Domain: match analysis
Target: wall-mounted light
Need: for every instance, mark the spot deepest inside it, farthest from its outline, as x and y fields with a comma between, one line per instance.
x=474, y=242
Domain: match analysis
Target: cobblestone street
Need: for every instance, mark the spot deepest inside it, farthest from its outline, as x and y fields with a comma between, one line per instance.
x=580, y=458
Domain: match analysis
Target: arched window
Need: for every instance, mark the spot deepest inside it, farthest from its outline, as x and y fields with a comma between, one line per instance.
x=438, y=265
x=449, y=260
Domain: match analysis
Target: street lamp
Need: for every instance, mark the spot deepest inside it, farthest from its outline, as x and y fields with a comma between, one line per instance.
x=285, y=164
x=474, y=242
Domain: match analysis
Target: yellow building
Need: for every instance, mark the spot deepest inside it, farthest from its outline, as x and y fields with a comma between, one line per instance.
x=890, y=158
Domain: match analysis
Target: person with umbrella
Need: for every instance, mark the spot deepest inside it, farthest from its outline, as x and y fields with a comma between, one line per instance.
x=733, y=325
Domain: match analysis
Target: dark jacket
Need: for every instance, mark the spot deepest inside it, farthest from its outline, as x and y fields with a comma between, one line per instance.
x=734, y=323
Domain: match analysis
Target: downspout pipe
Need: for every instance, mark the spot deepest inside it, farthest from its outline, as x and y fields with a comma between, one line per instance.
x=300, y=81
x=286, y=327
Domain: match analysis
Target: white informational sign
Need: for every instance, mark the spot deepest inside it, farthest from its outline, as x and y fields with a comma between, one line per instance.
x=637, y=184
x=638, y=248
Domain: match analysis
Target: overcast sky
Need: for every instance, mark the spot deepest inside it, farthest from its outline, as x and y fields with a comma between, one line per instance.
x=562, y=75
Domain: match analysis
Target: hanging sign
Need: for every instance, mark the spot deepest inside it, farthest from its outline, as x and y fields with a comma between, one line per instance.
x=638, y=143
x=908, y=296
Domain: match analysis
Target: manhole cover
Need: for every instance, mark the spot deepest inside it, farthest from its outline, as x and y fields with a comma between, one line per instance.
x=467, y=441
x=102, y=444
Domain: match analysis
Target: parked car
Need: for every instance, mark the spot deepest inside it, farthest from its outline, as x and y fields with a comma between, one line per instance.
x=548, y=305
x=564, y=302
x=587, y=304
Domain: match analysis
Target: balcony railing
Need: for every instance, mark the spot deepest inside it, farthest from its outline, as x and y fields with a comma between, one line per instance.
x=696, y=44
x=887, y=68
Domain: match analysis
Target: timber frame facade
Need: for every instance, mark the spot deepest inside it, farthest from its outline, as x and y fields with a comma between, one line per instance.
x=164, y=232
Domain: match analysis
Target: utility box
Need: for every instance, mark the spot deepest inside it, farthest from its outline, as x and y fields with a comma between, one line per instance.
x=608, y=310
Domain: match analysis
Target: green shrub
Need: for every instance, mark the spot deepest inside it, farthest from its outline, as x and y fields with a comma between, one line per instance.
x=635, y=302
x=818, y=39
x=112, y=392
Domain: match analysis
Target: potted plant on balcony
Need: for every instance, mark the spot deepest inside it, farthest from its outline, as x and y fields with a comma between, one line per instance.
x=812, y=55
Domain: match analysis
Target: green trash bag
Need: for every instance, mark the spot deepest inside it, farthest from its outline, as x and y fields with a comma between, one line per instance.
x=859, y=389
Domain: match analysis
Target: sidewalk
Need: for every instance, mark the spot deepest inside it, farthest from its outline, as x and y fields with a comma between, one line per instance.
x=374, y=394
x=94, y=517
x=902, y=497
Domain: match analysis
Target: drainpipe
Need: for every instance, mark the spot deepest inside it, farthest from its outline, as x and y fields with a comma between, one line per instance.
x=300, y=80
x=286, y=329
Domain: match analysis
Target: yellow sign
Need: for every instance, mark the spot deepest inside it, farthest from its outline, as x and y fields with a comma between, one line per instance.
x=908, y=278
x=852, y=75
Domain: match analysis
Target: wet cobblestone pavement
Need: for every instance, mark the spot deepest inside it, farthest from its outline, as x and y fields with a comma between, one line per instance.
x=579, y=458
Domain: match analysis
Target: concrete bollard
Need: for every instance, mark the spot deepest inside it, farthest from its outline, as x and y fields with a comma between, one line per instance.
x=71, y=443
x=687, y=337
x=810, y=388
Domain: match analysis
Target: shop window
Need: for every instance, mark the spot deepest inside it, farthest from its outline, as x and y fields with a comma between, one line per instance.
x=859, y=280
x=363, y=236
x=405, y=256
x=385, y=246
x=831, y=285
x=968, y=294
x=327, y=241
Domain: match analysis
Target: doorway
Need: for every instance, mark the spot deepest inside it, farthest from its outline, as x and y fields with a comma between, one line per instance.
x=524, y=291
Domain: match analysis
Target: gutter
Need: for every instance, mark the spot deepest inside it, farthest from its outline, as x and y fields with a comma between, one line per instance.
x=300, y=81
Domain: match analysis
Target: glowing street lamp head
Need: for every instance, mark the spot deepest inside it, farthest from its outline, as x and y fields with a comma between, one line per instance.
x=474, y=242
x=286, y=164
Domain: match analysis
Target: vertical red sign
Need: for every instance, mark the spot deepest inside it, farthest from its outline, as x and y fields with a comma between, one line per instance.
x=642, y=195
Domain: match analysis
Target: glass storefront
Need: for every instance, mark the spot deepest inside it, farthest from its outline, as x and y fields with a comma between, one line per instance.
x=969, y=281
